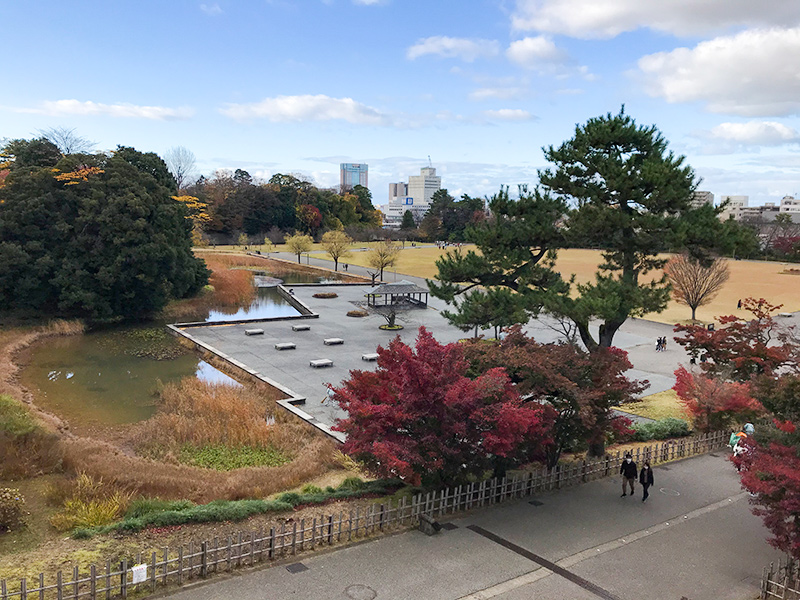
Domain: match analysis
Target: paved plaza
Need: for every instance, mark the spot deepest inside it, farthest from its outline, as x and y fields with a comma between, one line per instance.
x=291, y=368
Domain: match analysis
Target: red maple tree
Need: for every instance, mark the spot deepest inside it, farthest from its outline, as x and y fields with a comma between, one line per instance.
x=714, y=403
x=582, y=388
x=741, y=348
x=770, y=470
x=419, y=417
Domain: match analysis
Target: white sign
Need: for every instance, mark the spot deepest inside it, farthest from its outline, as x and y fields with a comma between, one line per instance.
x=139, y=573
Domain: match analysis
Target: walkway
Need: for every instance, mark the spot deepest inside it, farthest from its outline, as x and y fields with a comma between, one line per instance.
x=695, y=539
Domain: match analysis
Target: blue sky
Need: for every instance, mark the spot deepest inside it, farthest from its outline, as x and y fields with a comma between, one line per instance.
x=479, y=85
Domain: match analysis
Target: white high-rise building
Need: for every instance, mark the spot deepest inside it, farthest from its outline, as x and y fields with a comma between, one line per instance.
x=416, y=196
x=700, y=198
x=789, y=204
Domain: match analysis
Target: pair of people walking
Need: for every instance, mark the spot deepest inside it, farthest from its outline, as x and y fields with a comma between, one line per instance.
x=661, y=344
x=628, y=470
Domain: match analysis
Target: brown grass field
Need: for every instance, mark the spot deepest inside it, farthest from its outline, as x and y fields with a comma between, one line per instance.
x=759, y=279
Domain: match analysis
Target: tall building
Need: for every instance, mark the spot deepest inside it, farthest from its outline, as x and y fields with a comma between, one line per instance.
x=416, y=196
x=422, y=187
x=700, y=198
x=736, y=205
x=351, y=175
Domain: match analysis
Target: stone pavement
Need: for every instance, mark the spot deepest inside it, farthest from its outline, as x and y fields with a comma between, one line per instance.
x=695, y=538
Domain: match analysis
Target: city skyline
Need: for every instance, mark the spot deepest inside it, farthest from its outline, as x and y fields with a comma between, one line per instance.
x=480, y=85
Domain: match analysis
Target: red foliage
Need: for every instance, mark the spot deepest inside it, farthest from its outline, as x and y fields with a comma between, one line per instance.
x=741, y=348
x=787, y=244
x=713, y=403
x=419, y=415
x=310, y=216
x=621, y=429
x=581, y=387
x=772, y=473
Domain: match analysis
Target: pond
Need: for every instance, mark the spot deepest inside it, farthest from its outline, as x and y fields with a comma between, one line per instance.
x=113, y=376
x=267, y=303
x=109, y=377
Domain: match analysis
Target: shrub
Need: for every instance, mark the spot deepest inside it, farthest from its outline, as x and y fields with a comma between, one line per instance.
x=661, y=429
x=326, y=295
x=311, y=489
x=292, y=498
x=90, y=504
x=12, y=505
x=352, y=483
x=146, y=506
x=15, y=419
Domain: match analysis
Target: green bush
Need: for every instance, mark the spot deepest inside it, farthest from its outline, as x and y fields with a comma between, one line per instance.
x=12, y=508
x=662, y=429
x=146, y=506
x=311, y=489
x=292, y=498
x=352, y=483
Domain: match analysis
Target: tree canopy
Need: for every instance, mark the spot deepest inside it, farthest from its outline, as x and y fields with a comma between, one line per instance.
x=95, y=236
x=614, y=186
x=418, y=416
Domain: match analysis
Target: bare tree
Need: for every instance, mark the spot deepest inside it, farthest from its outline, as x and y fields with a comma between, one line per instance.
x=693, y=284
x=67, y=141
x=383, y=254
x=181, y=163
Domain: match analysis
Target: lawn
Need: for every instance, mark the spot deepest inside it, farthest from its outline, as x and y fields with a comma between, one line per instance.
x=759, y=279
x=658, y=406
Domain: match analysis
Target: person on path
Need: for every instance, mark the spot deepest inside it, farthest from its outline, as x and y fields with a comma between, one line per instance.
x=628, y=471
x=646, y=479
x=739, y=304
x=658, y=345
x=345, y=267
x=664, y=344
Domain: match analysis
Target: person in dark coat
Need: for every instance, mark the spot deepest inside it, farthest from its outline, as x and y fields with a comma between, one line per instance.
x=646, y=479
x=628, y=471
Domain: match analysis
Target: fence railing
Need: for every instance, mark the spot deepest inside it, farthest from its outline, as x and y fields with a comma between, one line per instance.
x=248, y=548
x=781, y=581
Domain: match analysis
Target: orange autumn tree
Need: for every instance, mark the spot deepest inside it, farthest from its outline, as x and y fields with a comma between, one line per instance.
x=713, y=402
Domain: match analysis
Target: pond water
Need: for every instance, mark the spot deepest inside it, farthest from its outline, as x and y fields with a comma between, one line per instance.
x=99, y=379
x=112, y=377
x=267, y=303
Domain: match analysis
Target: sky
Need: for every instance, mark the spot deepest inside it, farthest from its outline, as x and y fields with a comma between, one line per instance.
x=479, y=86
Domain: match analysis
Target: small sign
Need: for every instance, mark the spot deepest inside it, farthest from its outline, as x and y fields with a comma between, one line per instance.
x=139, y=573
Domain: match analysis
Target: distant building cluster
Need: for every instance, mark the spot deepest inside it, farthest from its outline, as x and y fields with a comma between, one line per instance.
x=415, y=196
x=738, y=207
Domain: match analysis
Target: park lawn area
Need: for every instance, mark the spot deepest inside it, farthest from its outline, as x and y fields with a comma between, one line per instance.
x=658, y=406
x=759, y=279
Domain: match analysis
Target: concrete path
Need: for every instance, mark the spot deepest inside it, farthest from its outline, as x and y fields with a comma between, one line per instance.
x=695, y=539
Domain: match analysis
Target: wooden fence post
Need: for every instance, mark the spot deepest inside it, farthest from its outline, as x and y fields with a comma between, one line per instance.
x=153, y=573
x=123, y=580
x=203, y=559
x=180, y=565
x=75, y=577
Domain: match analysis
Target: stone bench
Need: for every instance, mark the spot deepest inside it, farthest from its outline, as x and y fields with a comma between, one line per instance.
x=370, y=357
x=333, y=341
x=301, y=327
x=285, y=346
x=321, y=362
x=254, y=332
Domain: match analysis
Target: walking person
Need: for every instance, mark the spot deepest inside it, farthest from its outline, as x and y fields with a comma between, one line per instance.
x=628, y=471
x=646, y=479
x=739, y=305
x=664, y=344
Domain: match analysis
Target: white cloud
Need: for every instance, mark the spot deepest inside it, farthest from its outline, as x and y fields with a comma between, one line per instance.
x=308, y=108
x=367, y=2
x=497, y=93
x=76, y=107
x=539, y=53
x=609, y=18
x=753, y=73
x=509, y=114
x=211, y=10
x=760, y=133
x=448, y=47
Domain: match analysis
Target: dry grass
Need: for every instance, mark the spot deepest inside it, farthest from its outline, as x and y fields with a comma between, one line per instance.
x=154, y=478
x=202, y=413
x=658, y=406
x=759, y=279
x=89, y=502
